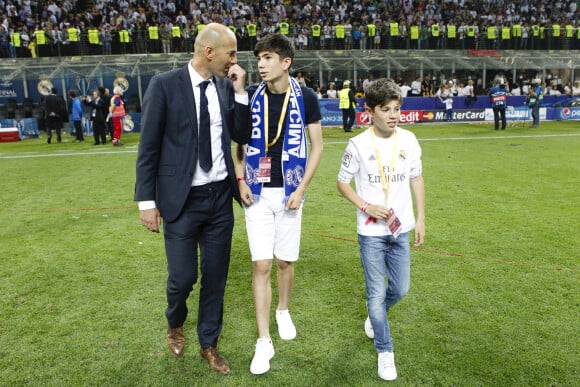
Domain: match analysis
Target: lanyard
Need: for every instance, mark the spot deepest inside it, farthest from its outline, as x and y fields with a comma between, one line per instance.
x=386, y=182
x=280, y=122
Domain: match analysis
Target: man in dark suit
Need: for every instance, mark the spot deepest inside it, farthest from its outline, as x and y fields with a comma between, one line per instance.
x=54, y=112
x=194, y=201
x=99, y=111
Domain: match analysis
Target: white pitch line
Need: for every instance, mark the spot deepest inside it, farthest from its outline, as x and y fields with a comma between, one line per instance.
x=134, y=148
x=480, y=138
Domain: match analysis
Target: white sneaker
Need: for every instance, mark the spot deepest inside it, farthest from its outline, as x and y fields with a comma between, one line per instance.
x=387, y=370
x=261, y=361
x=286, y=328
x=369, y=329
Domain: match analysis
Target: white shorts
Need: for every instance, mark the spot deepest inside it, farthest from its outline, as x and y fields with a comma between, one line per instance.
x=272, y=230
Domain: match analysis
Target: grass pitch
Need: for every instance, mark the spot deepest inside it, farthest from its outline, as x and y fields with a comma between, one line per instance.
x=494, y=297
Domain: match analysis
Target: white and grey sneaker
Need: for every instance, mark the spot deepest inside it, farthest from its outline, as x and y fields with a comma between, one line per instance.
x=387, y=370
x=369, y=329
x=286, y=328
x=264, y=352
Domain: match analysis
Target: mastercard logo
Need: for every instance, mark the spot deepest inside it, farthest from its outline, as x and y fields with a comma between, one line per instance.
x=428, y=116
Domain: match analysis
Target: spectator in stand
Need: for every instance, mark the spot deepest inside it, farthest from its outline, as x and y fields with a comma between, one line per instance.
x=427, y=88
x=331, y=92
x=405, y=88
x=416, y=87
x=470, y=96
x=367, y=81
x=576, y=89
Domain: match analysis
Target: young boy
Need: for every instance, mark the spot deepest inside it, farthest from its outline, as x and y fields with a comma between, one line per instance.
x=385, y=162
x=449, y=108
x=273, y=179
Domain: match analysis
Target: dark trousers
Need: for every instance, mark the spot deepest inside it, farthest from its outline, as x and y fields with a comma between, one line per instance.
x=78, y=131
x=207, y=222
x=54, y=123
x=499, y=113
x=348, y=117
x=99, y=132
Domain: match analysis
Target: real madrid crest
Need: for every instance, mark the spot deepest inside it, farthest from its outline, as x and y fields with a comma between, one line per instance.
x=121, y=81
x=44, y=86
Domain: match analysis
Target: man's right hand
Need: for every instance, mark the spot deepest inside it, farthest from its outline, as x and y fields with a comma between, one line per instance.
x=151, y=219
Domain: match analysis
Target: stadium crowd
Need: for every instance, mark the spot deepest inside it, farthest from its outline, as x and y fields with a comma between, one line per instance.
x=33, y=28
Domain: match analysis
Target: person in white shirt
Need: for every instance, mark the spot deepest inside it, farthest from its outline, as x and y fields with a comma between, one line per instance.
x=331, y=92
x=416, y=87
x=576, y=89
x=405, y=89
x=385, y=163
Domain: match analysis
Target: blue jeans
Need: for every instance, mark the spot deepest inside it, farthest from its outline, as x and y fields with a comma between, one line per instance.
x=384, y=258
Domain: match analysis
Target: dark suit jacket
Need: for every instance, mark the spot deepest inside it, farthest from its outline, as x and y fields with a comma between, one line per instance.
x=55, y=104
x=102, y=109
x=168, y=148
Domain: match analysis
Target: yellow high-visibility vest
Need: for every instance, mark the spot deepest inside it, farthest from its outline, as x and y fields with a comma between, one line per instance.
x=471, y=31
x=505, y=33
x=233, y=28
x=451, y=32
x=569, y=30
x=394, y=29
x=556, y=30
x=73, y=34
x=535, y=30
x=435, y=30
x=93, y=36
x=124, y=36
x=15, y=39
x=414, y=32
x=200, y=27
x=491, y=32
x=517, y=30
x=315, y=30
x=371, y=30
x=251, y=30
x=284, y=28
x=176, y=32
x=340, y=31
x=343, y=102
x=40, y=37
x=153, y=32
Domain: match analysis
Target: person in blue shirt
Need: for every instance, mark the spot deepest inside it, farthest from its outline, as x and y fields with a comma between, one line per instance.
x=77, y=115
x=498, y=99
x=535, y=98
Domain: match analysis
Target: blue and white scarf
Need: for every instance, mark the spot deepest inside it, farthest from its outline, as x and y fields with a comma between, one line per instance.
x=295, y=150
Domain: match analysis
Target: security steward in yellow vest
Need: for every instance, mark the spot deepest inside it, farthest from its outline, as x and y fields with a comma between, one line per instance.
x=315, y=30
x=154, y=44
x=347, y=104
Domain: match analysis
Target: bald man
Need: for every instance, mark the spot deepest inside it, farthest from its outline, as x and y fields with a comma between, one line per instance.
x=194, y=199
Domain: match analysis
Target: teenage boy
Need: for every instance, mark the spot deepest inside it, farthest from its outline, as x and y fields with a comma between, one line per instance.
x=385, y=162
x=274, y=172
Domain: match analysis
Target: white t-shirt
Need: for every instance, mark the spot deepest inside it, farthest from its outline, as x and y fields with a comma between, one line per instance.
x=360, y=162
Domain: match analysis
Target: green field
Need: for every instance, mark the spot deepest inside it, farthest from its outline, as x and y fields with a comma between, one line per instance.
x=494, y=297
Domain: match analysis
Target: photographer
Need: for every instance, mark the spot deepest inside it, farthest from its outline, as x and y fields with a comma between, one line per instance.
x=498, y=98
